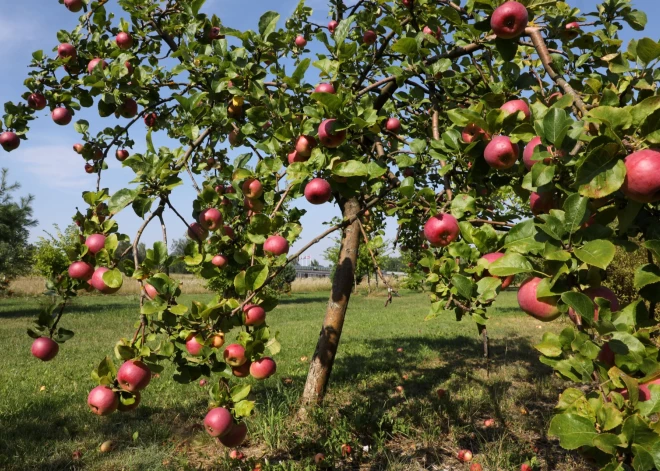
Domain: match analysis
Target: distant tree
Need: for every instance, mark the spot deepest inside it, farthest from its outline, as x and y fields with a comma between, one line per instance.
x=15, y=219
x=315, y=263
x=50, y=257
x=390, y=263
x=177, y=249
x=282, y=282
x=365, y=265
x=125, y=247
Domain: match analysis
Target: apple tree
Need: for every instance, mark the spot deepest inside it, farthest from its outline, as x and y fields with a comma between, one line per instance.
x=506, y=138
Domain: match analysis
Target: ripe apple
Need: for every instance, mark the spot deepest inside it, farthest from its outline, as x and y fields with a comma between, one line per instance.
x=254, y=315
x=122, y=154
x=472, y=133
x=509, y=20
x=437, y=34
x=95, y=243
x=36, y=101
x=242, y=371
x=332, y=26
x=234, y=355
x=264, y=368
x=220, y=260
x=102, y=400
x=407, y=3
x=129, y=109
x=541, y=203
x=202, y=383
x=300, y=41
x=488, y=423
x=464, y=456
x=129, y=407
x=606, y=355
x=501, y=153
x=490, y=258
x=476, y=467
x=328, y=136
x=9, y=141
x=81, y=270
x=98, y=283
x=514, y=106
x=325, y=88
x=642, y=182
x=236, y=435
x=107, y=446
x=393, y=125
x=525, y=467
x=555, y=96
x=215, y=33
x=129, y=67
x=89, y=168
x=399, y=389
x=529, y=152
x=296, y=157
x=194, y=344
x=197, y=232
x=305, y=145
x=150, y=119
x=237, y=455
x=150, y=291
x=346, y=449
x=252, y=188
x=319, y=458
x=66, y=50
x=78, y=148
x=276, y=245
x=218, y=422
x=44, y=348
x=124, y=41
x=94, y=62
x=408, y=172
x=441, y=229
x=73, y=5
x=210, y=219
x=597, y=292
x=441, y=393
x=571, y=30
x=369, y=37
x=229, y=232
x=61, y=116
x=133, y=376
x=217, y=340
x=318, y=191
x=544, y=309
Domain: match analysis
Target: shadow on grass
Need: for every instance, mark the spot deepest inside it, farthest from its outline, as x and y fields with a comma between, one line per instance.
x=17, y=311
x=304, y=299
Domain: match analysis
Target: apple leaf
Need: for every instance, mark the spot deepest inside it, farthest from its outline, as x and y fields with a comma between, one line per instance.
x=601, y=173
x=598, y=253
x=464, y=286
x=240, y=392
x=648, y=50
x=113, y=278
x=243, y=408
x=575, y=212
x=351, y=168
x=406, y=46
x=550, y=345
x=555, y=126
x=299, y=73
x=239, y=283
x=487, y=288
x=267, y=23
x=255, y=277
x=572, y=430
x=331, y=101
x=461, y=204
x=646, y=275
x=510, y=264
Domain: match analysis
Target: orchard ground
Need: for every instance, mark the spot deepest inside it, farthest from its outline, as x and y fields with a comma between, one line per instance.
x=45, y=419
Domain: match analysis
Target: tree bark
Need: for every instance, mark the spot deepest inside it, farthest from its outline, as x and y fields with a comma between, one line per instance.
x=326, y=348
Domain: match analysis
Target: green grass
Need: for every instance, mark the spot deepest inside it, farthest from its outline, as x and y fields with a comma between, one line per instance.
x=41, y=429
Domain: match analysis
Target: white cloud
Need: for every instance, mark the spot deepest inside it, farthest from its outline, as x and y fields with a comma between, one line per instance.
x=54, y=166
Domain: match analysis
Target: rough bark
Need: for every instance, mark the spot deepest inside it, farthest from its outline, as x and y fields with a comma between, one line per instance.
x=326, y=348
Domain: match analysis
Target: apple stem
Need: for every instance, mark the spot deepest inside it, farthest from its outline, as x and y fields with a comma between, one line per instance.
x=59, y=316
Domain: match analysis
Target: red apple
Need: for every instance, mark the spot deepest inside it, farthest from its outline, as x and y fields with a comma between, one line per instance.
x=238, y=455
x=472, y=133
x=197, y=232
x=437, y=34
x=94, y=62
x=202, y=382
x=194, y=344
x=597, y=292
x=129, y=67
x=211, y=219
x=218, y=422
x=98, y=283
x=606, y=355
x=124, y=41
x=332, y=26
x=476, y=467
x=254, y=315
x=234, y=355
x=66, y=50
x=488, y=423
x=133, y=376
x=318, y=191
x=555, y=96
x=122, y=154
x=407, y=3
x=220, y=261
x=242, y=371
x=305, y=145
x=236, y=436
x=129, y=407
x=509, y=20
x=264, y=368
x=325, y=88
x=490, y=258
x=501, y=153
x=73, y=5
x=252, y=188
x=399, y=389
x=642, y=182
x=571, y=30
x=129, y=109
x=544, y=309
x=78, y=148
x=464, y=456
x=44, y=348
x=369, y=37
x=81, y=270
x=514, y=106
x=525, y=467
x=61, y=116
x=150, y=291
x=215, y=33
x=346, y=449
x=276, y=245
x=328, y=136
x=393, y=125
x=229, y=232
x=441, y=229
x=89, y=168
x=319, y=458
x=529, y=152
x=37, y=101
x=9, y=141
x=541, y=203
x=296, y=157
x=300, y=41
x=95, y=243
x=102, y=400
x=150, y=119
x=441, y=393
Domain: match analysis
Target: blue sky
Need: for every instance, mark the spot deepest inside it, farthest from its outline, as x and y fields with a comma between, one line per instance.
x=46, y=165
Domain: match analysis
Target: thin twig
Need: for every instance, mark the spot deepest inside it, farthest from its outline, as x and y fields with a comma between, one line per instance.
x=373, y=257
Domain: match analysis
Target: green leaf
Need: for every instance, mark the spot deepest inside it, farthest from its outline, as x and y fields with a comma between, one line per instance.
x=510, y=264
x=618, y=118
x=602, y=172
x=331, y=101
x=487, y=288
x=178, y=309
x=406, y=46
x=81, y=126
x=648, y=50
x=572, y=430
x=580, y=303
x=343, y=28
x=243, y=408
x=461, y=204
x=113, y=278
x=463, y=285
x=352, y=168
x=607, y=442
x=299, y=73
x=646, y=275
x=240, y=392
x=121, y=199
x=267, y=23
x=524, y=237
x=239, y=283
x=652, y=405
x=598, y=253
x=653, y=246
x=555, y=126
x=550, y=345
x=575, y=212
x=255, y=277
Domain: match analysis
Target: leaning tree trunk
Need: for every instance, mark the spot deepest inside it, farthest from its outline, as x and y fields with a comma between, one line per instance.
x=326, y=348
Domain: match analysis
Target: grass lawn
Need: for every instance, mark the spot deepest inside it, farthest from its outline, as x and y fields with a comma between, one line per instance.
x=44, y=417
